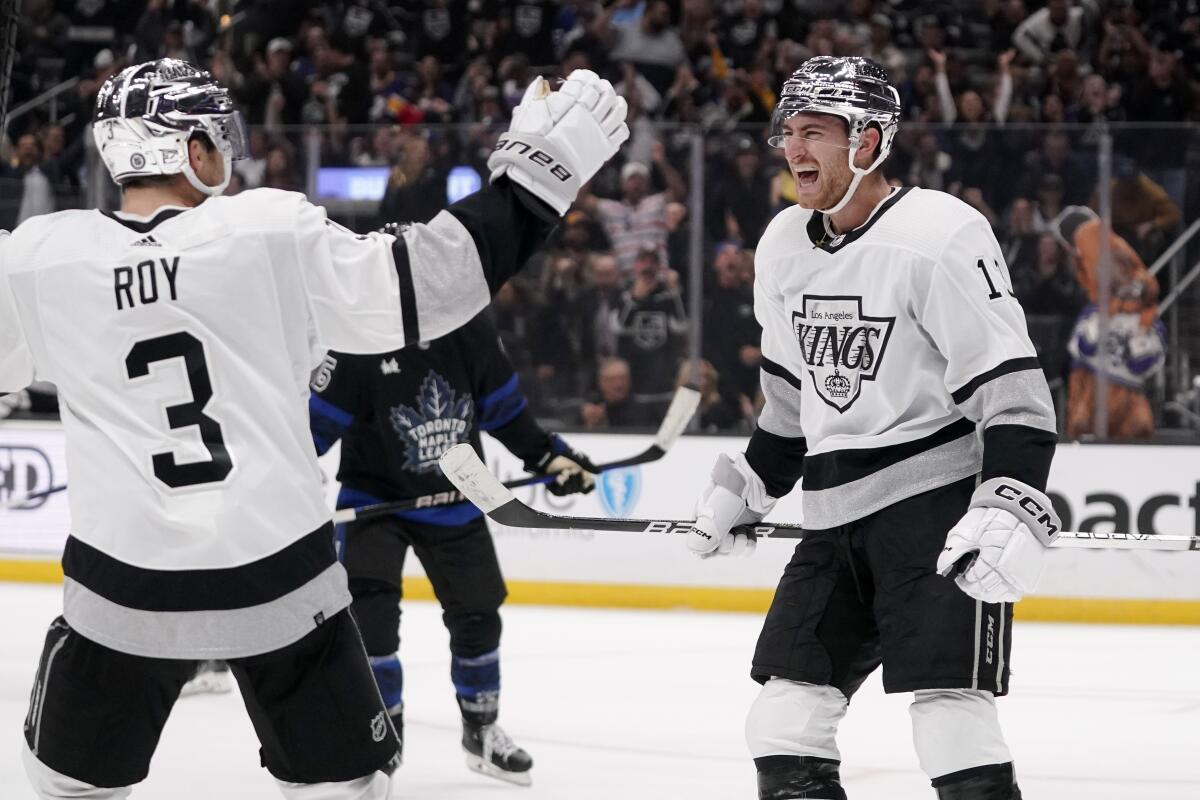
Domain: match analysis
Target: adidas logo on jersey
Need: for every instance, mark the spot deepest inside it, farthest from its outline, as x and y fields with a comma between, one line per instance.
x=147, y=241
x=388, y=366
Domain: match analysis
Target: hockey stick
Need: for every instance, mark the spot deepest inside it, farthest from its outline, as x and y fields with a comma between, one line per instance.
x=679, y=414
x=20, y=502
x=464, y=469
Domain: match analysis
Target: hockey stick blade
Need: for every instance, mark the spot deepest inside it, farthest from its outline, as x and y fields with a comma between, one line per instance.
x=464, y=469
x=683, y=406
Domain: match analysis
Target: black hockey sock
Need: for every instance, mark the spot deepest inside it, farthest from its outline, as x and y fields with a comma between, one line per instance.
x=797, y=777
x=990, y=782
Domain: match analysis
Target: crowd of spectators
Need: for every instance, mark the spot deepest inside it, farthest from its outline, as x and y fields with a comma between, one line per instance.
x=1004, y=105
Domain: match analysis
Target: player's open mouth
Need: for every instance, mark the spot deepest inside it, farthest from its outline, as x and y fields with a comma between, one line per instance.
x=806, y=176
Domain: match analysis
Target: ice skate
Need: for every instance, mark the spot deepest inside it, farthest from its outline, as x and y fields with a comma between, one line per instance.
x=491, y=752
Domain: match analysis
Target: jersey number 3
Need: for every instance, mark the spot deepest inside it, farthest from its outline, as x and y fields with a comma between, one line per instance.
x=191, y=350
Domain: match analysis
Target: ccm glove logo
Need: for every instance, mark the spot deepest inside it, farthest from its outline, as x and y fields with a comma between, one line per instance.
x=508, y=143
x=1024, y=502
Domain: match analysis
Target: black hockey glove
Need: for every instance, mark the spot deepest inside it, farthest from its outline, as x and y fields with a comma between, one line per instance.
x=573, y=471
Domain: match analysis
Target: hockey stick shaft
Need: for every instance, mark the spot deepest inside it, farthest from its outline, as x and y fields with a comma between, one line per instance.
x=20, y=502
x=464, y=469
x=683, y=406
x=8, y=55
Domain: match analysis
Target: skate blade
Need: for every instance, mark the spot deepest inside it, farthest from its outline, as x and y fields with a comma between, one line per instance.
x=477, y=764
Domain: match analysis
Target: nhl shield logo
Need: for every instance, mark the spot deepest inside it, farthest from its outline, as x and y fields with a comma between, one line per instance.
x=619, y=490
x=378, y=727
x=840, y=345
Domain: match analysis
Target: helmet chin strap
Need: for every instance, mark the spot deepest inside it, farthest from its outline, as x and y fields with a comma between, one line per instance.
x=201, y=186
x=859, y=174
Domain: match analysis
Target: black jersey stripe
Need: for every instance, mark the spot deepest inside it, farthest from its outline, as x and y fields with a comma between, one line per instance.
x=839, y=467
x=821, y=239
x=230, y=588
x=408, y=293
x=771, y=368
x=148, y=225
x=963, y=394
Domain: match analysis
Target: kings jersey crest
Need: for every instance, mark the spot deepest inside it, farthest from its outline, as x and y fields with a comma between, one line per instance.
x=840, y=345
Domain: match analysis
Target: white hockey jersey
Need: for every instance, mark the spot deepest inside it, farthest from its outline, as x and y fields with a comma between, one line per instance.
x=885, y=349
x=182, y=346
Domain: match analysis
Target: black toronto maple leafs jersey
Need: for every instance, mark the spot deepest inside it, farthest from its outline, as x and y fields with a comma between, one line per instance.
x=397, y=413
x=895, y=359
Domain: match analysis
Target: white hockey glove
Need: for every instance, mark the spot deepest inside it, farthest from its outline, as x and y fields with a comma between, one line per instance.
x=1004, y=536
x=734, y=496
x=559, y=139
x=12, y=403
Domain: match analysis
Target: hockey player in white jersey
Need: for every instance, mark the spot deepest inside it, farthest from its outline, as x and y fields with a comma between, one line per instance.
x=181, y=333
x=902, y=388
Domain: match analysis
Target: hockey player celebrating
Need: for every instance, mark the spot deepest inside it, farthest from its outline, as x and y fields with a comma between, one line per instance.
x=902, y=387
x=396, y=414
x=181, y=332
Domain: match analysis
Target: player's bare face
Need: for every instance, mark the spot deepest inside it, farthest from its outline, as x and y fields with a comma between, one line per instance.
x=815, y=147
x=207, y=163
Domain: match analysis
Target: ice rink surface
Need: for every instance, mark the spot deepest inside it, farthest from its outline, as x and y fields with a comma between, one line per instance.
x=626, y=705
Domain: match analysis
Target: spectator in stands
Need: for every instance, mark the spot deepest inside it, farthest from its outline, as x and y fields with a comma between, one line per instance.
x=930, y=164
x=1123, y=51
x=637, y=221
x=416, y=189
x=1047, y=201
x=1096, y=108
x=731, y=333
x=733, y=106
x=341, y=90
x=1163, y=94
x=1056, y=27
x=1053, y=290
x=651, y=328
x=741, y=196
x=35, y=193
x=745, y=33
x=280, y=173
x=880, y=48
x=273, y=93
x=1055, y=158
x=650, y=44
x=1003, y=18
x=613, y=404
x=1142, y=213
x=431, y=94
x=388, y=100
x=442, y=33
x=716, y=412
x=1021, y=246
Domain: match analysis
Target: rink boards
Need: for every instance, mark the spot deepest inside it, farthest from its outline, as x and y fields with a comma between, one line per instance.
x=1148, y=489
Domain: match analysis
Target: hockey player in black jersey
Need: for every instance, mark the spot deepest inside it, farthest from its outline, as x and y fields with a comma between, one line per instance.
x=902, y=389
x=396, y=414
x=181, y=332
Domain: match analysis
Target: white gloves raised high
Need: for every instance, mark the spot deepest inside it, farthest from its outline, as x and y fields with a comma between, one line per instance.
x=559, y=139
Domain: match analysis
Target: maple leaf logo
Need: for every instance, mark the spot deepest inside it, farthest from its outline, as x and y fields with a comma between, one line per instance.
x=439, y=421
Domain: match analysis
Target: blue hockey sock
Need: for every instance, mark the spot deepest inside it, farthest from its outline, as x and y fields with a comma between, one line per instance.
x=389, y=676
x=477, y=685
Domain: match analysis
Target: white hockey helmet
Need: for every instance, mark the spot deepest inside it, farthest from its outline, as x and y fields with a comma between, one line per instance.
x=146, y=113
x=853, y=88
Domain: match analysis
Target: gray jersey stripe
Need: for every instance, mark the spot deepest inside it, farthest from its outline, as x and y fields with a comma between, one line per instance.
x=229, y=633
x=931, y=469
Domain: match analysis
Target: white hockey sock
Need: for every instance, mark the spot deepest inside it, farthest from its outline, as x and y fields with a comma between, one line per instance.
x=376, y=786
x=956, y=729
x=796, y=719
x=51, y=785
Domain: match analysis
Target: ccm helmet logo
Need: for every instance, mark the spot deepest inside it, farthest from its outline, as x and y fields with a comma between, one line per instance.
x=537, y=156
x=1031, y=507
